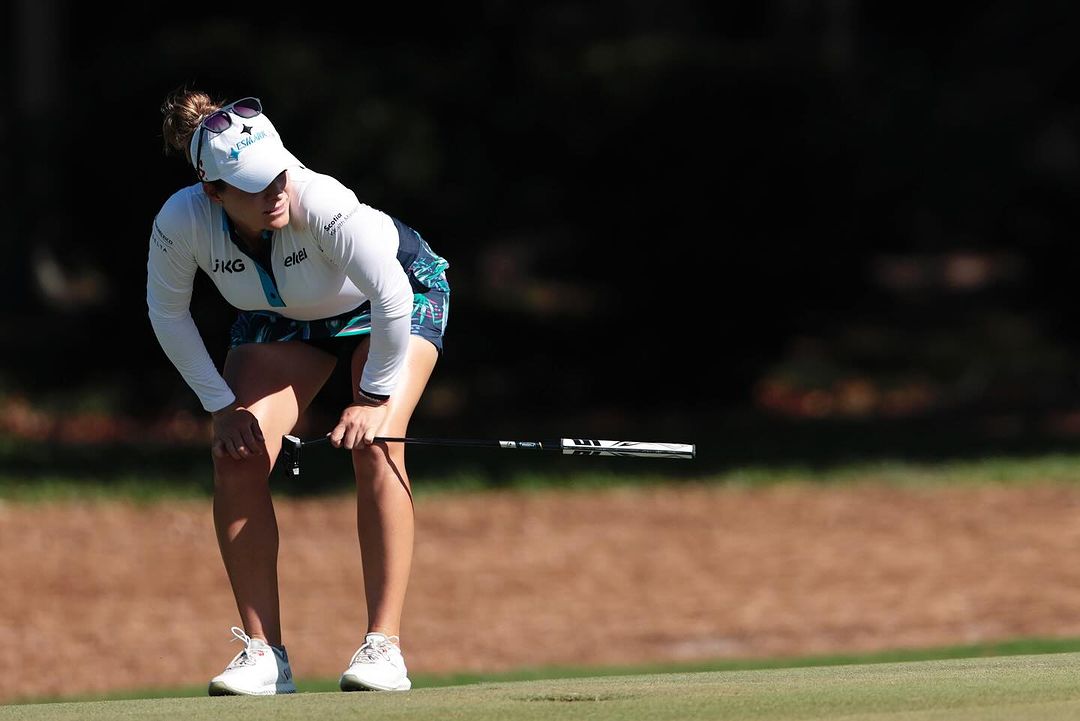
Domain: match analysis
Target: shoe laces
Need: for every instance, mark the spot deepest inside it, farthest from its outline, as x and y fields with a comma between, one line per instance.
x=243, y=658
x=375, y=650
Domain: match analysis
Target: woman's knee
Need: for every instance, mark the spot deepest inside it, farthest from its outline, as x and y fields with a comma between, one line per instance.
x=232, y=473
x=378, y=460
x=371, y=457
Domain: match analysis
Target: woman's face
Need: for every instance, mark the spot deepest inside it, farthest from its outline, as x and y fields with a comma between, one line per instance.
x=253, y=213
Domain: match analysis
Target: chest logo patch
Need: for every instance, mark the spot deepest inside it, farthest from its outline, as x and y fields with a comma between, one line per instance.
x=229, y=266
x=297, y=257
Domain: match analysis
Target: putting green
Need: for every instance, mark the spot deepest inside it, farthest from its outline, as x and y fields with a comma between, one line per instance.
x=1014, y=687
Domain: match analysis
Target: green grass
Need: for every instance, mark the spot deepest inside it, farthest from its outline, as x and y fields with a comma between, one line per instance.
x=1051, y=468
x=1016, y=647
x=191, y=479
x=1010, y=687
x=732, y=449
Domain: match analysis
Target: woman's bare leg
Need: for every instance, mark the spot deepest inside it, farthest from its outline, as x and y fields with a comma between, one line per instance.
x=384, y=509
x=276, y=382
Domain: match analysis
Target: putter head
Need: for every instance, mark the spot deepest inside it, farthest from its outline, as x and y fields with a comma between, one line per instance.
x=290, y=452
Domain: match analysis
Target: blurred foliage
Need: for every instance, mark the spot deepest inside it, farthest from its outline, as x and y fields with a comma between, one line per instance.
x=655, y=213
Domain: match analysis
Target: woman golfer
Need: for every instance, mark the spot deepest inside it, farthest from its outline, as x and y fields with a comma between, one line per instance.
x=317, y=277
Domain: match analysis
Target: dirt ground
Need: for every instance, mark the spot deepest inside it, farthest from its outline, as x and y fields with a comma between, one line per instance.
x=106, y=596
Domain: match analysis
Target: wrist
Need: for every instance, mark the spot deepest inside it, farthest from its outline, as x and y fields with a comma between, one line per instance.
x=231, y=407
x=370, y=399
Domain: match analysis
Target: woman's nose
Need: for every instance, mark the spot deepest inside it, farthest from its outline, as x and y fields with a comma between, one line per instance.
x=278, y=186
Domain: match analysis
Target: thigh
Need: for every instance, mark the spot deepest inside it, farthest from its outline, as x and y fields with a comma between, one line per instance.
x=277, y=381
x=420, y=361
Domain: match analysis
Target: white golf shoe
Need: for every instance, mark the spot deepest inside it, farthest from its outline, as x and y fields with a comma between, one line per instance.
x=376, y=666
x=258, y=670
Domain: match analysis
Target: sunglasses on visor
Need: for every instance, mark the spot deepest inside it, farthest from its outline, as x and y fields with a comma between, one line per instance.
x=220, y=120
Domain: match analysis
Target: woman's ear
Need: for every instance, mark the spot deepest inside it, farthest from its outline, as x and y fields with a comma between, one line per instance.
x=212, y=192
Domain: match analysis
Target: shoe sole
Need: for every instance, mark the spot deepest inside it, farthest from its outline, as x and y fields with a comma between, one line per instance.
x=219, y=688
x=349, y=682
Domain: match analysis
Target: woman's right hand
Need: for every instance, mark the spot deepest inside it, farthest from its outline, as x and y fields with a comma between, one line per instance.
x=236, y=433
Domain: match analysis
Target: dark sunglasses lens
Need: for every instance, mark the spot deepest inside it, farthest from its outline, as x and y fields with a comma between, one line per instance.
x=217, y=122
x=247, y=108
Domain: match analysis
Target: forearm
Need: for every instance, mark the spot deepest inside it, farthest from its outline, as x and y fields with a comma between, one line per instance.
x=386, y=356
x=181, y=342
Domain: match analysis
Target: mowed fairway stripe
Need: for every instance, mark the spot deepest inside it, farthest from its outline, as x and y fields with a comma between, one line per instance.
x=1014, y=687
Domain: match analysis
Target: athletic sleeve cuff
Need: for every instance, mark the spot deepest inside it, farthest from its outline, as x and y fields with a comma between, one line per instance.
x=373, y=397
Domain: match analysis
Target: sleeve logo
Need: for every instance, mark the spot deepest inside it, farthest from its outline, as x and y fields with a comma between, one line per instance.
x=337, y=221
x=160, y=239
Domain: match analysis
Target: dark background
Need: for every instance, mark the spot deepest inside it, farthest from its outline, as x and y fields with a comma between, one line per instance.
x=775, y=229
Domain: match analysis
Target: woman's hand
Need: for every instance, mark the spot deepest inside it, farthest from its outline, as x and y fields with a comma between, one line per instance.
x=237, y=433
x=359, y=424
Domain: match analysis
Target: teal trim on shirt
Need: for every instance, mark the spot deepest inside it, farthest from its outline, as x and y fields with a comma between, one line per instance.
x=266, y=277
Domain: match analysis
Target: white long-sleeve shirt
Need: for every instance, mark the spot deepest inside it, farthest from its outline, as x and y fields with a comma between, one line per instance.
x=335, y=254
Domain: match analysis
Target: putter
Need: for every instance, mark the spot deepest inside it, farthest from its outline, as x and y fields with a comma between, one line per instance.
x=291, y=445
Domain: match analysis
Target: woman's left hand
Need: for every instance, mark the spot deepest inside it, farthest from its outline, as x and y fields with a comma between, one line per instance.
x=359, y=424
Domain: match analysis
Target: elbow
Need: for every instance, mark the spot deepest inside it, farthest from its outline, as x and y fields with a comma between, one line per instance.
x=158, y=316
x=398, y=306
x=398, y=311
